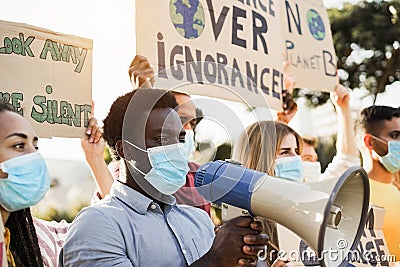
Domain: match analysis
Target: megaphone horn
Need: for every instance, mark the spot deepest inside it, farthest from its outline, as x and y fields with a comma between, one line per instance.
x=321, y=213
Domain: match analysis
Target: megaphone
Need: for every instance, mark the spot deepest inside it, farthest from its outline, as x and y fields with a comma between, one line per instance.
x=322, y=213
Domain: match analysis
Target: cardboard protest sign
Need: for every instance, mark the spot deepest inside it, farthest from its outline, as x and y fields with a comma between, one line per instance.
x=47, y=77
x=235, y=46
x=371, y=251
x=309, y=44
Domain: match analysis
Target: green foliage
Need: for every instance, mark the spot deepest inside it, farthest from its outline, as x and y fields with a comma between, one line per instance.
x=106, y=155
x=326, y=150
x=366, y=38
x=314, y=98
x=224, y=151
x=54, y=214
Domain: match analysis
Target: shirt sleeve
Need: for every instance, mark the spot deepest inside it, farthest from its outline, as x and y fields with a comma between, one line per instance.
x=340, y=163
x=94, y=240
x=51, y=237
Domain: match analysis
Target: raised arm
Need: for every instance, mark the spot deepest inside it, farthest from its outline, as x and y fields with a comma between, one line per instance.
x=347, y=151
x=346, y=142
x=93, y=147
x=289, y=106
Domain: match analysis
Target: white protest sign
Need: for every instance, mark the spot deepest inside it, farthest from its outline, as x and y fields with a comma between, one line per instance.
x=309, y=44
x=229, y=49
x=47, y=77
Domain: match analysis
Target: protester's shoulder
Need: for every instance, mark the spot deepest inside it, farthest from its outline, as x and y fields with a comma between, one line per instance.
x=191, y=210
x=52, y=225
x=193, y=167
x=348, y=158
x=108, y=208
x=50, y=230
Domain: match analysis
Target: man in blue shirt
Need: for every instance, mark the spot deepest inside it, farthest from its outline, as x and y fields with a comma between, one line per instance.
x=139, y=224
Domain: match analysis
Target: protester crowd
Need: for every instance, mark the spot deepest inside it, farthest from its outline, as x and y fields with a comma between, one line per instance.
x=146, y=210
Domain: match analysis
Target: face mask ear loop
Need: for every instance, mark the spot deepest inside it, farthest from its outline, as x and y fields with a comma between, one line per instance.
x=380, y=140
x=132, y=162
x=135, y=146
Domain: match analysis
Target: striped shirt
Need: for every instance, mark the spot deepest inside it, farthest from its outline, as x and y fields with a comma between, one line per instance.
x=51, y=238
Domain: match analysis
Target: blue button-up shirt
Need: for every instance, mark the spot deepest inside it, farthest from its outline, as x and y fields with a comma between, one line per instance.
x=129, y=229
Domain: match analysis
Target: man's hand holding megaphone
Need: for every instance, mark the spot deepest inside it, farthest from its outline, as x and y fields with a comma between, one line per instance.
x=237, y=242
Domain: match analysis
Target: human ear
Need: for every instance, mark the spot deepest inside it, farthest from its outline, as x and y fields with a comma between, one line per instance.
x=368, y=142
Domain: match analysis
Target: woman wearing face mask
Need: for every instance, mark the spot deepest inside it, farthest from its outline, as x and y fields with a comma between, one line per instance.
x=24, y=180
x=274, y=148
x=271, y=147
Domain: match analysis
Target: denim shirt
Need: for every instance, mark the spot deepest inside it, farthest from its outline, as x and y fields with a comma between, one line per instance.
x=129, y=229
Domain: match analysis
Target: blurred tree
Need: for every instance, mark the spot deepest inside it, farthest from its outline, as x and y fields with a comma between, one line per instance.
x=367, y=43
x=366, y=38
x=224, y=152
x=107, y=155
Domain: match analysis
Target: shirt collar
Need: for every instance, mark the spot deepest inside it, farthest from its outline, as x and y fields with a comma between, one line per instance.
x=137, y=201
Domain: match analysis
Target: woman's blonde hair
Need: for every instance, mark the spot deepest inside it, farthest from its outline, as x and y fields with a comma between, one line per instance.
x=259, y=144
x=256, y=149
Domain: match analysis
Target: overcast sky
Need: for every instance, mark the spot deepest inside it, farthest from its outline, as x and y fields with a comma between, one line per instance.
x=337, y=3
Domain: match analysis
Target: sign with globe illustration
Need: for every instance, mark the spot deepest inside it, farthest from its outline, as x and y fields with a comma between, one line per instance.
x=315, y=25
x=309, y=45
x=187, y=16
x=225, y=49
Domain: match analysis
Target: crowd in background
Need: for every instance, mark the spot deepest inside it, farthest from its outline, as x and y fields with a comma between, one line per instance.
x=146, y=199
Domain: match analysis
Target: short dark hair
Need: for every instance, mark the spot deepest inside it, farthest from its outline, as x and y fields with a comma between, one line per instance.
x=113, y=123
x=4, y=106
x=373, y=117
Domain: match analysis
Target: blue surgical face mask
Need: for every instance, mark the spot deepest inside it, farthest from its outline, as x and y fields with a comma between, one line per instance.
x=391, y=161
x=189, y=143
x=290, y=168
x=169, y=167
x=27, y=183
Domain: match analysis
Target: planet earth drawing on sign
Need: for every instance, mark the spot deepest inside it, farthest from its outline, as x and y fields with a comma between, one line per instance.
x=316, y=25
x=187, y=16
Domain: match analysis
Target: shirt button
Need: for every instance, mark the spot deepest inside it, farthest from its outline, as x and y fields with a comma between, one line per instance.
x=153, y=206
x=184, y=251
